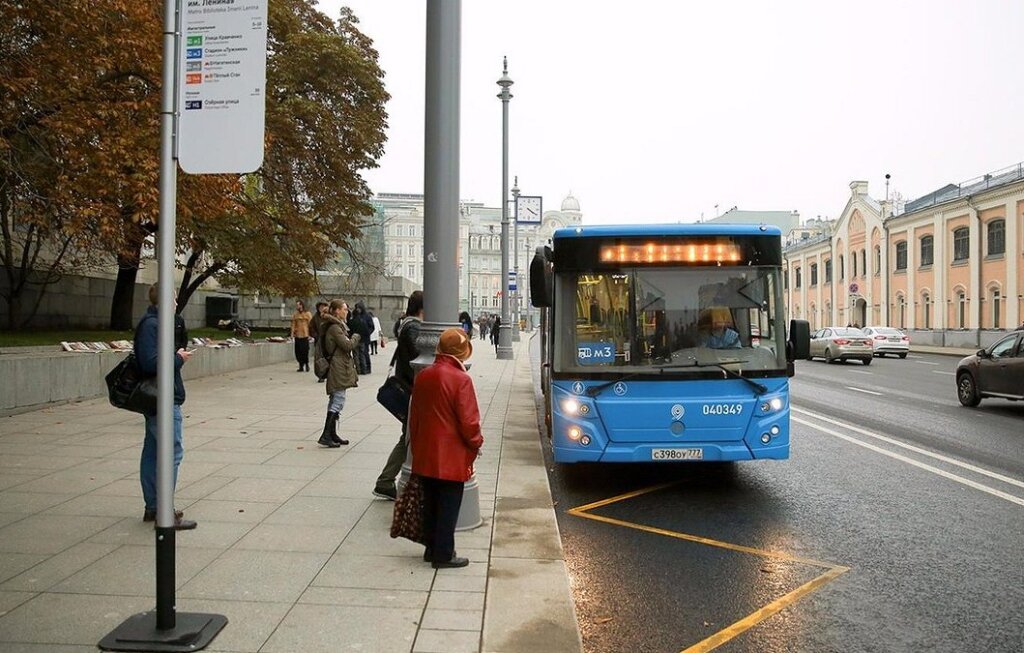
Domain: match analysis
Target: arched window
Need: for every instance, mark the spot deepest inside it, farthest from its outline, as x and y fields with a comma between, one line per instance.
x=961, y=310
x=814, y=275
x=901, y=255
x=926, y=311
x=927, y=250
x=828, y=271
x=842, y=268
x=878, y=259
x=864, y=262
x=796, y=278
x=853, y=264
x=997, y=237
x=961, y=244
x=901, y=311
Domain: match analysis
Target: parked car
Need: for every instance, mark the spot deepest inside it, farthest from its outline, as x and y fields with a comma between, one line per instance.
x=840, y=344
x=996, y=371
x=888, y=340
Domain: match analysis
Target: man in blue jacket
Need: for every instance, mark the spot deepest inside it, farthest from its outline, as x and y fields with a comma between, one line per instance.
x=146, y=355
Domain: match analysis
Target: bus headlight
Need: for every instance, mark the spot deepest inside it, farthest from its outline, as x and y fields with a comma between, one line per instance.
x=570, y=406
x=774, y=430
x=766, y=438
x=574, y=433
x=772, y=405
x=585, y=440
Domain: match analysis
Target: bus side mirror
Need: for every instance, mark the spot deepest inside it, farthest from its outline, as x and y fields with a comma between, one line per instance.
x=799, y=344
x=541, y=278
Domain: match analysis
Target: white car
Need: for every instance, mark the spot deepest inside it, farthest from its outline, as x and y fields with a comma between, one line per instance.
x=888, y=340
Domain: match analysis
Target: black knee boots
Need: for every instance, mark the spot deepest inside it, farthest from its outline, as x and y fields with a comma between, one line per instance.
x=329, y=437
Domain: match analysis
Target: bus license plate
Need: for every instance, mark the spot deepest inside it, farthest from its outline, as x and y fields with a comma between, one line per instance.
x=677, y=454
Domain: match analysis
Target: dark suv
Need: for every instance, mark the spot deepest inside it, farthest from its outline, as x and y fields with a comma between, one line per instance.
x=996, y=371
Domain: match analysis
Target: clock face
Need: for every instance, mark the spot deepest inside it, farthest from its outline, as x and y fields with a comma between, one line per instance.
x=528, y=208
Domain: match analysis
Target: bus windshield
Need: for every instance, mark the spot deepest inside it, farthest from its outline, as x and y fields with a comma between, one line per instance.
x=656, y=319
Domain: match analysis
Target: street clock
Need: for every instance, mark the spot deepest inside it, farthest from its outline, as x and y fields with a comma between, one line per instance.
x=529, y=209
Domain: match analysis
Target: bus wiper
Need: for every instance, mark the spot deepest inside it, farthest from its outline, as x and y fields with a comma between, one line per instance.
x=761, y=389
x=595, y=390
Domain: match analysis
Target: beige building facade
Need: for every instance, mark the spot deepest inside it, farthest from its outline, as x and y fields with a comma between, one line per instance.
x=948, y=268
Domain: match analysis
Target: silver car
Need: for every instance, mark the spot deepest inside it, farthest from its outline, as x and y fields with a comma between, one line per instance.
x=888, y=340
x=840, y=344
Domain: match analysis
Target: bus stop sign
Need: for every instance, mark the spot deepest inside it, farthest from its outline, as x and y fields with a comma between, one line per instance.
x=222, y=73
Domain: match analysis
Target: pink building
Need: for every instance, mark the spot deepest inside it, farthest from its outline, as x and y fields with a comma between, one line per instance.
x=949, y=267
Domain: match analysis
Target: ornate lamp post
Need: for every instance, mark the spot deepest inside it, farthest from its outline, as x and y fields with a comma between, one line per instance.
x=504, y=331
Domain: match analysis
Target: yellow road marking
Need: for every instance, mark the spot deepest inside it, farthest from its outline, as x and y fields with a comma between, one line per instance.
x=751, y=620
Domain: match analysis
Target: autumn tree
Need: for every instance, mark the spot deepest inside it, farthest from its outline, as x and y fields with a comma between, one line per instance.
x=79, y=98
x=325, y=123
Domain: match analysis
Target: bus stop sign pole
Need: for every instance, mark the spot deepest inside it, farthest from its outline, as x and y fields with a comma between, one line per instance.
x=164, y=629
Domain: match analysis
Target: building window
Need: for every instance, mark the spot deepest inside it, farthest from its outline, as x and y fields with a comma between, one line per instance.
x=828, y=271
x=412, y=272
x=842, y=268
x=961, y=244
x=901, y=255
x=927, y=250
x=796, y=278
x=785, y=281
x=853, y=263
x=901, y=311
x=961, y=310
x=926, y=302
x=997, y=237
x=878, y=259
x=864, y=262
x=997, y=306
x=814, y=274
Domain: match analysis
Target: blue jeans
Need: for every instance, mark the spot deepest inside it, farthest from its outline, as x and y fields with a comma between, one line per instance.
x=147, y=466
x=337, y=401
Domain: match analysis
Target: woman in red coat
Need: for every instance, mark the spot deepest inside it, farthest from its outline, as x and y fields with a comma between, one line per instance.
x=444, y=429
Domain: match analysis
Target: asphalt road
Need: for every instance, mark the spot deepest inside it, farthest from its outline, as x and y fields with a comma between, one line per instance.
x=896, y=525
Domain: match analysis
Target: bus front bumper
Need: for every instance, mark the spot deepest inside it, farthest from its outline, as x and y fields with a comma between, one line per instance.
x=645, y=453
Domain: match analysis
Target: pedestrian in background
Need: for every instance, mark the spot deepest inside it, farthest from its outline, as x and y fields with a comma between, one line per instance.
x=359, y=324
x=407, y=331
x=495, y=329
x=376, y=336
x=467, y=323
x=337, y=345
x=315, y=326
x=444, y=429
x=146, y=350
x=300, y=333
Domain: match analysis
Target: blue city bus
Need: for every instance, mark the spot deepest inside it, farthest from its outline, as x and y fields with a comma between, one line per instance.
x=665, y=343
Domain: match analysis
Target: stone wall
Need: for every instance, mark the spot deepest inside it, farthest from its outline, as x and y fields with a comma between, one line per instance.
x=36, y=377
x=84, y=302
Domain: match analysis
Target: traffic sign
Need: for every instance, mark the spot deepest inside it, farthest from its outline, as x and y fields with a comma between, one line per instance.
x=222, y=74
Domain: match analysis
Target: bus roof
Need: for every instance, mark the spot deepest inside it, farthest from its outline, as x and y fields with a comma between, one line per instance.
x=654, y=230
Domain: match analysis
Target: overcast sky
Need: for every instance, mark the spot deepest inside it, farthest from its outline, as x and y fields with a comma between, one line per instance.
x=659, y=110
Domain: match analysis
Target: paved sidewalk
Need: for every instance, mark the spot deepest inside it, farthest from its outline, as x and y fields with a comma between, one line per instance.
x=291, y=546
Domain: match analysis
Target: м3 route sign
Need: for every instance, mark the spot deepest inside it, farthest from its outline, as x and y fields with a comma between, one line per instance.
x=222, y=74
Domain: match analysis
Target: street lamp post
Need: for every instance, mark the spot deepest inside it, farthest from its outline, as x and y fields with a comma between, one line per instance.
x=504, y=331
x=515, y=260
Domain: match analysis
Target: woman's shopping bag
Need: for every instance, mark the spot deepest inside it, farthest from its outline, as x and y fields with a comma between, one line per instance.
x=408, y=518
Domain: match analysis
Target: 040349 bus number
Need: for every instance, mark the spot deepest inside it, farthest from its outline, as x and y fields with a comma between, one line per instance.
x=722, y=409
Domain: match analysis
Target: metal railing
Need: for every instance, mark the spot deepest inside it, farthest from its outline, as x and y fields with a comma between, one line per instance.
x=951, y=192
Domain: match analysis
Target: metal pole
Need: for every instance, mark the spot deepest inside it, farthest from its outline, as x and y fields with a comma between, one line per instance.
x=504, y=331
x=165, y=572
x=441, y=201
x=515, y=259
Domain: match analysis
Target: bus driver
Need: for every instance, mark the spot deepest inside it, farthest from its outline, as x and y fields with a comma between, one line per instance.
x=715, y=329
